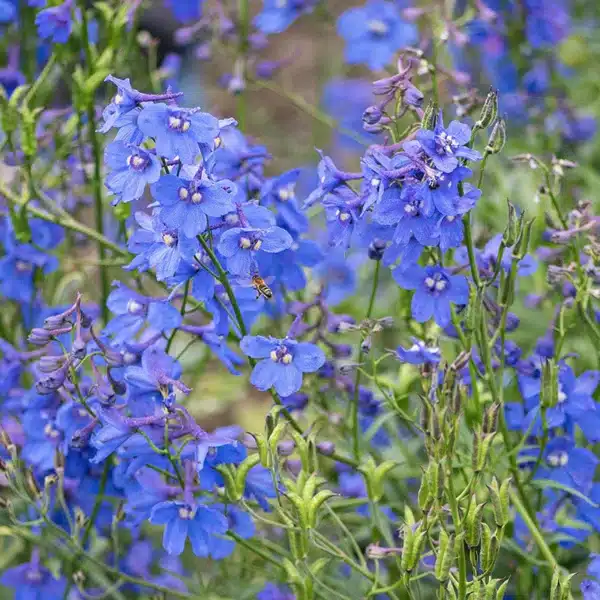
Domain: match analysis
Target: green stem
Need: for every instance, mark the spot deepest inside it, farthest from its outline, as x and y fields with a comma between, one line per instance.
x=97, y=158
x=533, y=528
x=354, y=414
x=462, y=559
x=65, y=221
x=40, y=80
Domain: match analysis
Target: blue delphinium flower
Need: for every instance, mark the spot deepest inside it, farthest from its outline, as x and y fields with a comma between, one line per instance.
x=276, y=16
x=133, y=310
x=158, y=246
x=183, y=520
x=374, y=33
x=178, y=131
x=341, y=218
x=55, y=22
x=282, y=362
x=272, y=591
x=132, y=168
x=185, y=10
x=8, y=11
x=32, y=581
x=446, y=146
x=590, y=589
x=186, y=205
x=568, y=465
x=434, y=289
x=412, y=211
x=240, y=522
x=240, y=245
x=280, y=192
x=419, y=353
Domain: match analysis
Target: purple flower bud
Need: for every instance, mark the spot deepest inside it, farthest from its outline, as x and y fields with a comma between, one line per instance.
x=341, y=350
x=52, y=382
x=286, y=448
x=326, y=448
x=48, y=364
x=413, y=96
x=372, y=115
x=294, y=466
x=39, y=337
x=376, y=249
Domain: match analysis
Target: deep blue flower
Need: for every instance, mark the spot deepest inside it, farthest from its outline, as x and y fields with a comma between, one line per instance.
x=434, y=289
x=568, y=465
x=374, y=33
x=8, y=11
x=32, y=581
x=240, y=522
x=419, y=353
x=158, y=246
x=133, y=310
x=182, y=520
x=153, y=380
x=280, y=192
x=272, y=591
x=259, y=486
x=282, y=362
x=446, y=146
x=186, y=205
x=413, y=213
x=590, y=589
x=132, y=168
x=341, y=217
x=185, y=10
x=178, y=131
x=337, y=274
x=240, y=245
x=276, y=16
x=55, y=22
x=287, y=266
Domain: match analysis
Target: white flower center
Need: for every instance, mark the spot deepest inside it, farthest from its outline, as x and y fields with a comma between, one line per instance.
x=257, y=245
x=196, y=197
x=345, y=216
x=378, y=27
x=558, y=459
x=134, y=307
x=186, y=512
x=168, y=239
x=183, y=193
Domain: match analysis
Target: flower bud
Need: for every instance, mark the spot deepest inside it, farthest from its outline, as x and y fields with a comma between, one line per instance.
x=481, y=448
x=326, y=448
x=489, y=110
x=412, y=96
x=497, y=138
x=372, y=115
x=523, y=242
x=376, y=249
x=366, y=344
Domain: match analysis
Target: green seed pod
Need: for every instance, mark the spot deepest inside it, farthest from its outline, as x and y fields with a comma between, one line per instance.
x=262, y=448
x=414, y=552
x=475, y=588
x=481, y=449
x=473, y=524
x=430, y=116
x=566, y=587
x=502, y=590
x=487, y=555
x=549, y=392
x=242, y=473
x=379, y=478
x=500, y=501
x=511, y=232
x=451, y=591
x=446, y=556
x=523, y=242
x=497, y=138
x=489, y=110
x=425, y=498
x=555, y=586
x=316, y=503
x=408, y=546
x=490, y=419
x=490, y=589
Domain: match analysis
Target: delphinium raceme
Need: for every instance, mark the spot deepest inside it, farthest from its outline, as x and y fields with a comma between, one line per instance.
x=420, y=440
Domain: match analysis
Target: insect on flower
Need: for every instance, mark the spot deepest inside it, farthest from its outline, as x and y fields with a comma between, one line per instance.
x=260, y=285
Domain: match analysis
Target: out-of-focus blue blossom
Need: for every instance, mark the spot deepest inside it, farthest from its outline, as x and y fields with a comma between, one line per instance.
x=271, y=591
x=32, y=581
x=185, y=10
x=276, y=16
x=56, y=22
x=419, y=353
x=374, y=33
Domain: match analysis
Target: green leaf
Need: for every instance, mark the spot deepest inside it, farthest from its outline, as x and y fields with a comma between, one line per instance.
x=544, y=483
